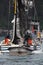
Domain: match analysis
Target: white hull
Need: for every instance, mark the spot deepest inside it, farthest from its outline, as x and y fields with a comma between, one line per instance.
x=18, y=48
x=6, y=47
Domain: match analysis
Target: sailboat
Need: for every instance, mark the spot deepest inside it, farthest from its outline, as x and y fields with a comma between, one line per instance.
x=17, y=41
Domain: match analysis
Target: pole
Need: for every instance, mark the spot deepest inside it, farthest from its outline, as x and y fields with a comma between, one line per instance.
x=15, y=40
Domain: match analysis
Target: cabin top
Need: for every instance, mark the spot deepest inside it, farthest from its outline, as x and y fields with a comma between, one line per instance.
x=34, y=23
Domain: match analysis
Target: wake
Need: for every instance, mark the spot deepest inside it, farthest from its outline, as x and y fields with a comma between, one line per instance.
x=37, y=51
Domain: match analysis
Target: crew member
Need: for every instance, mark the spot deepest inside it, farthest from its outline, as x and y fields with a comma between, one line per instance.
x=7, y=40
x=28, y=38
x=29, y=42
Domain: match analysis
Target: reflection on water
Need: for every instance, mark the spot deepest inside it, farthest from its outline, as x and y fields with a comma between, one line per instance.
x=33, y=59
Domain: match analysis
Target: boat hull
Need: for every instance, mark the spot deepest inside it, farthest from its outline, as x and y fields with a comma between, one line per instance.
x=21, y=50
x=7, y=47
x=18, y=49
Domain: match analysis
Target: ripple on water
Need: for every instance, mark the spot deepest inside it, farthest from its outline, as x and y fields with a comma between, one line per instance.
x=34, y=59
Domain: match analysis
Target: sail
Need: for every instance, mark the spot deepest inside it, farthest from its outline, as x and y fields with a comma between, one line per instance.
x=25, y=13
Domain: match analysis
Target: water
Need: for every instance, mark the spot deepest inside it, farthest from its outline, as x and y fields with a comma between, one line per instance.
x=33, y=59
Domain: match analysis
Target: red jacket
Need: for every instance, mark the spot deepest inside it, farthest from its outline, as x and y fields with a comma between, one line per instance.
x=29, y=41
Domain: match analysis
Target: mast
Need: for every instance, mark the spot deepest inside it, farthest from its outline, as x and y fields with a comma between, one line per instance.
x=16, y=31
x=14, y=40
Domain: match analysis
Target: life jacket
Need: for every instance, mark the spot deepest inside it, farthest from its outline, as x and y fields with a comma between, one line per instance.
x=7, y=41
x=29, y=41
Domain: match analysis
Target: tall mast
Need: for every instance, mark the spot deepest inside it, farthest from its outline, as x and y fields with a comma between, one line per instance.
x=15, y=31
x=14, y=23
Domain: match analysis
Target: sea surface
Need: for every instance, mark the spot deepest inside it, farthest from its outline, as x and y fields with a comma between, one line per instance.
x=33, y=59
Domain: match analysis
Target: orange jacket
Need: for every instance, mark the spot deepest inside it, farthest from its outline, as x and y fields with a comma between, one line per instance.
x=29, y=41
x=6, y=41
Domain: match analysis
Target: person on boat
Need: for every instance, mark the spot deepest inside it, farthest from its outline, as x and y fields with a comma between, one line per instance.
x=28, y=38
x=7, y=40
x=25, y=37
